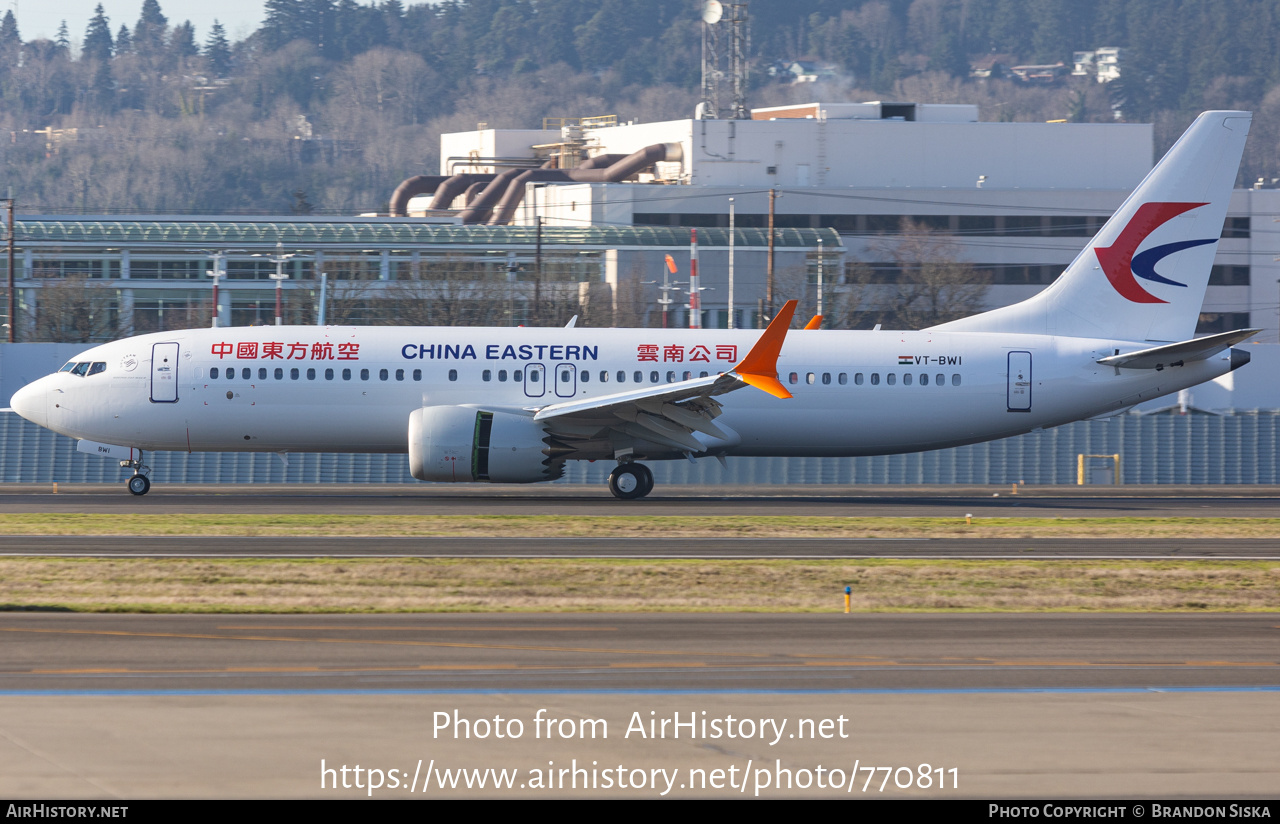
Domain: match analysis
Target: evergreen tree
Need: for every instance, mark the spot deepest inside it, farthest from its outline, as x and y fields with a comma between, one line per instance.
x=149, y=33
x=98, y=44
x=182, y=42
x=283, y=23
x=218, y=51
x=63, y=39
x=10, y=40
x=124, y=41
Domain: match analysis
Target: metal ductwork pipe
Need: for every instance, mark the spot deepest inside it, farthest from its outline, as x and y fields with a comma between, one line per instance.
x=456, y=185
x=615, y=172
x=411, y=188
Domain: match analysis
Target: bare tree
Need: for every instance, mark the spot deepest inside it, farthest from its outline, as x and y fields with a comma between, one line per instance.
x=917, y=281
x=74, y=310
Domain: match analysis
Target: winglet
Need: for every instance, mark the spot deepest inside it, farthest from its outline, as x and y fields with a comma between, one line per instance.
x=760, y=367
x=814, y=323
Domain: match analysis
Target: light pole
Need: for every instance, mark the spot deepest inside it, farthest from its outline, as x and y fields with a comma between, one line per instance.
x=819, y=277
x=218, y=272
x=279, y=276
x=9, y=205
x=731, y=249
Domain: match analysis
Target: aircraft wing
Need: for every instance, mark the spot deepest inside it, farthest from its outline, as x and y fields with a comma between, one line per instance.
x=1176, y=354
x=671, y=413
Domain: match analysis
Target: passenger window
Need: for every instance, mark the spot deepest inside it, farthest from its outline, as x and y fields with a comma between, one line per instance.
x=294, y=374
x=924, y=378
x=604, y=377
x=534, y=376
x=364, y=374
x=246, y=373
x=453, y=374
x=906, y=379
x=564, y=376
x=585, y=377
x=940, y=379
x=279, y=374
x=502, y=376
x=826, y=378
x=955, y=379
x=311, y=374
x=346, y=374
x=97, y=367
x=517, y=375
x=328, y=374
x=810, y=378
x=213, y=372
x=843, y=378
x=399, y=374
x=875, y=378
x=638, y=377
x=687, y=376
x=486, y=375
x=385, y=375
x=622, y=376
x=793, y=378
x=262, y=374
x=671, y=377
x=417, y=374
x=702, y=374
x=653, y=377
x=891, y=378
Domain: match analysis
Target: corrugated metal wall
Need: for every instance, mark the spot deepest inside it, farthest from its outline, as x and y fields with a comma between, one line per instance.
x=1155, y=449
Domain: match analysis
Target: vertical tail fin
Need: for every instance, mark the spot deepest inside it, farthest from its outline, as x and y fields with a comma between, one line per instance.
x=1172, y=221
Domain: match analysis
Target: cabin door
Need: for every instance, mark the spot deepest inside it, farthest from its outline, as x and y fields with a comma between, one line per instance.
x=164, y=373
x=1019, y=391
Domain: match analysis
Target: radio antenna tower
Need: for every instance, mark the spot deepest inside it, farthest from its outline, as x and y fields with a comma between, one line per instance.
x=724, y=60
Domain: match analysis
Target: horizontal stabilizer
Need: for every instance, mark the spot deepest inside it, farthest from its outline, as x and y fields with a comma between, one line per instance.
x=1176, y=354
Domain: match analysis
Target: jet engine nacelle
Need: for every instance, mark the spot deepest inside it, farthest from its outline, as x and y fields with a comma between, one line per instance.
x=462, y=444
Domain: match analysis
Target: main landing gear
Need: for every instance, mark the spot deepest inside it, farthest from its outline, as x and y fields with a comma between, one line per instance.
x=139, y=484
x=630, y=481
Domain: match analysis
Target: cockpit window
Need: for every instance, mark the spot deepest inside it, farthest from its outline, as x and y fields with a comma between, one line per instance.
x=84, y=368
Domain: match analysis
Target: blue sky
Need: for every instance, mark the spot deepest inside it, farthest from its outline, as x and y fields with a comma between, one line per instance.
x=41, y=19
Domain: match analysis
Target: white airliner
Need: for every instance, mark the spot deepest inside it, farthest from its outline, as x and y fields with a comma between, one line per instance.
x=510, y=405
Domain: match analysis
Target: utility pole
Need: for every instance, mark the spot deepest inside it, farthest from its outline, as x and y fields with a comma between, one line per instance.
x=768, y=288
x=537, y=272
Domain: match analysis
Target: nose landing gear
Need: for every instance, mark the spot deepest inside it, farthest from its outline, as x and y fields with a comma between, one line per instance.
x=139, y=484
x=630, y=481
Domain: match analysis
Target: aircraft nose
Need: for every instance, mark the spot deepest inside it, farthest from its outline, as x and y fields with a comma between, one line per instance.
x=30, y=402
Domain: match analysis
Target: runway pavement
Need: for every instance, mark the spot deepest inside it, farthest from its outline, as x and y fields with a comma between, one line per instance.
x=994, y=706
x=1006, y=706
x=97, y=546
x=794, y=500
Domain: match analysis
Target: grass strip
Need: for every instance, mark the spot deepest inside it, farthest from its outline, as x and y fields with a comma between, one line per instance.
x=640, y=525
x=498, y=585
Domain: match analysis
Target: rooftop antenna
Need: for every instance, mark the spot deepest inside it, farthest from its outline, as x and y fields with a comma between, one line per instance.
x=722, y=59
x=709, y=106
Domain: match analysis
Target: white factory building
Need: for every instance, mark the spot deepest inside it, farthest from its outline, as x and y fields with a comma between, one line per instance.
x=1019, y=200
